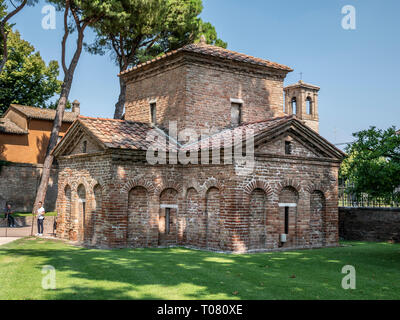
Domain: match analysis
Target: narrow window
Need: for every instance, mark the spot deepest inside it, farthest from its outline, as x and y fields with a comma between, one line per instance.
x=167, y=220
x=288, y=147
x=294, y=106
x=153, y=113
x=236, y=114
x=287, y=220
x=84, y=146
x=309, y=105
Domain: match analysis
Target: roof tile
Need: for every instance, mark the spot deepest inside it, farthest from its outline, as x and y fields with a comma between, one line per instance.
x=43, y=114
x=7, y=126
x=131, y=135
x=215, y=51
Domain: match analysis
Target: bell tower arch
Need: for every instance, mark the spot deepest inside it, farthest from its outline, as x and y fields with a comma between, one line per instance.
x=301, y=99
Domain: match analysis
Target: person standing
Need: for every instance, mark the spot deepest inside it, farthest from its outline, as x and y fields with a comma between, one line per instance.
x=40, y=218
x=8, y=215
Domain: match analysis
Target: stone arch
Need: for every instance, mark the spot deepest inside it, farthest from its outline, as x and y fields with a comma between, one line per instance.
x=138, y=216
x=293, y=105
x=288, y=183
x=213, y=216
x=212, y=183
x=317, y=218
x=168, y=184
x=80, y=181
x=316, y=187
x=258, y=184
x=98, y=182
x=257, y=219
x=309, y=105
x=138, y=182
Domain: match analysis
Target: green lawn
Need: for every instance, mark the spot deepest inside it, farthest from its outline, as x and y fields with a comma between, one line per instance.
x=179, y=273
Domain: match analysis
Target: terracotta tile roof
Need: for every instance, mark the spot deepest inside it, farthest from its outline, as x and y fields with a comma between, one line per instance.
x=120, y=134
x=7, y=126
x=43, y=114
x=226, y=137
x=132, y=135
x=209, y=50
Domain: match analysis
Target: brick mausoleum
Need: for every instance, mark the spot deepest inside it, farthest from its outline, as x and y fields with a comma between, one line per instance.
x=111, y=195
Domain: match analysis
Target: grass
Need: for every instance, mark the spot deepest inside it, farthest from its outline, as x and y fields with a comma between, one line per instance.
x=179, y=273
x=29, y=214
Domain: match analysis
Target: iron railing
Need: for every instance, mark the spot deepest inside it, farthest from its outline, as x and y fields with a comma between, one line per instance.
x=347, y=198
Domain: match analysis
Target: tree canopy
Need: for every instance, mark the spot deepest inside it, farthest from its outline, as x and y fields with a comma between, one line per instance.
x=373, y=162
x=26, y=79
x=139, y=30
x=9, y=9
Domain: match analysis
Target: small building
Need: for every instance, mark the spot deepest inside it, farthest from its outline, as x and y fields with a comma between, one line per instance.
x=208, y=156
x=24, y=137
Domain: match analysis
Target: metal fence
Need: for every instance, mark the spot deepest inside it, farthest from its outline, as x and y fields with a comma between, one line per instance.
x=349, y=199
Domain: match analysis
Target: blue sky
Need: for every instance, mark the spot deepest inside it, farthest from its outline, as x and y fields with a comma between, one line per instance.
x=357, y=70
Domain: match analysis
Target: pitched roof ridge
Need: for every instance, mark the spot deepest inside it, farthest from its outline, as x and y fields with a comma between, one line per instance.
x=114, y=120
x=16, y=105
x=190, y=48
x=8, y=126
x=99, y=118
x=269, y=119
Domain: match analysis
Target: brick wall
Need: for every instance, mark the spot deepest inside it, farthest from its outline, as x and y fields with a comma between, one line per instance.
x=369, y=224
x=167, y=89
x=18, y=185
x=197, y=93
x=210, y=206
x=209, y=91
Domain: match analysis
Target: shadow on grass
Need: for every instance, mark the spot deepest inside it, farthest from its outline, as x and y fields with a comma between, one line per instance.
x=179, y=273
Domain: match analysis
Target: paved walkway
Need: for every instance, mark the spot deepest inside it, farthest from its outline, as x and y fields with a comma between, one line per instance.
x=25, y=231
x=4, y=240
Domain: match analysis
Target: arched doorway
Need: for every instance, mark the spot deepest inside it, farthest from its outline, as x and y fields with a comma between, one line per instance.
x=81, y=212
x=138, y=217
x=67, y=221
x=194, y=225
x=257, y=220
x=213, y=224
x=288, y=200
x=167, y=219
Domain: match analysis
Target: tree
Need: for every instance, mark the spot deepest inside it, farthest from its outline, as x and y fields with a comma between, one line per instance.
x=5, y=17
x=147, y=29
x=78, y=15
x=373, y=162
x=25, y=78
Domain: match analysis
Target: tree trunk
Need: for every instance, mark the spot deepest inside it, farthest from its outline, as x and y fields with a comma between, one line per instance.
x=4, y=46
x=66, y=88
x=119, y=106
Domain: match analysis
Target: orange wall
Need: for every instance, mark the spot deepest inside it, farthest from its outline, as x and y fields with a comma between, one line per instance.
x=30, y=148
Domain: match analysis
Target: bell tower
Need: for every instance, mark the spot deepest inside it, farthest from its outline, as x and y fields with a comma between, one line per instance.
x=301, y=99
